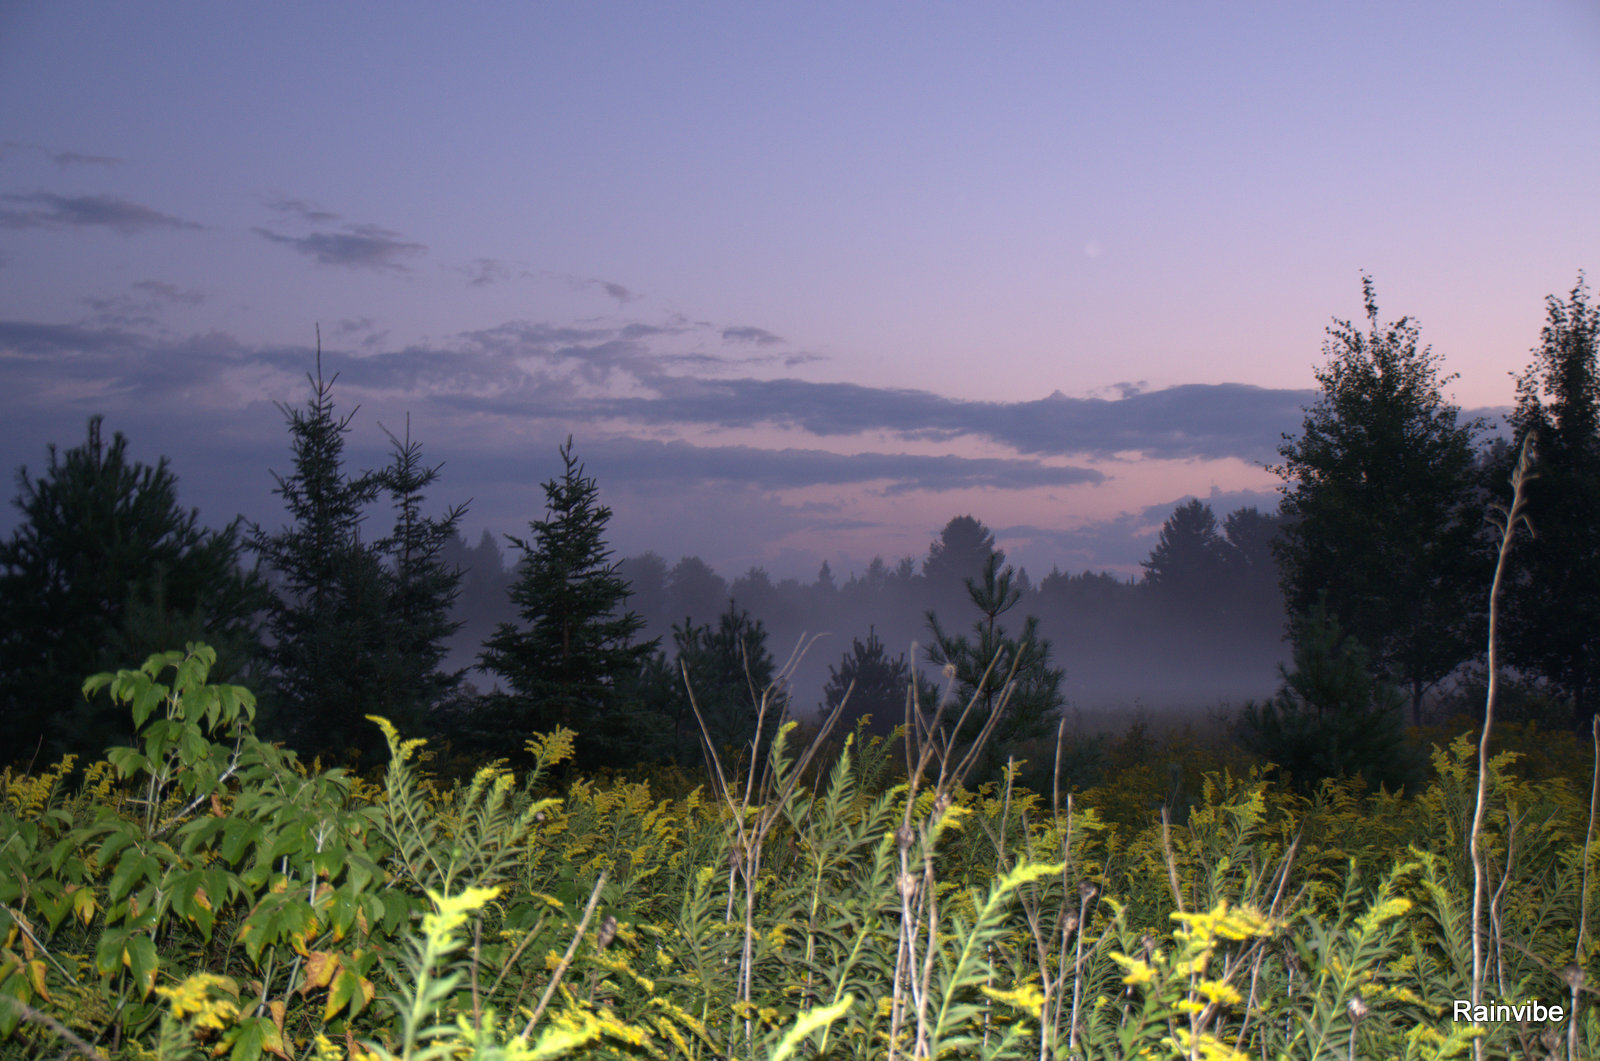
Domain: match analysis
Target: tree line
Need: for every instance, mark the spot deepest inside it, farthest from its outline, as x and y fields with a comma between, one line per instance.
x=1374, y=562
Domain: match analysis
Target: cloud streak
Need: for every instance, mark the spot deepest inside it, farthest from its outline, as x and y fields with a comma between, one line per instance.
x=354, y=247
x=1191, y=421
x=63, y=159
x=51, y=211
x=653, y=377
x=682, y=463
x=746, y=334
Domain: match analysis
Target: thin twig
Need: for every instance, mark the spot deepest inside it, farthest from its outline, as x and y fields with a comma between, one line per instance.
x=566, y=959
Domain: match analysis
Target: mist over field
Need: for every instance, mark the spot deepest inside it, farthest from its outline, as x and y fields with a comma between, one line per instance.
x=1128, y=649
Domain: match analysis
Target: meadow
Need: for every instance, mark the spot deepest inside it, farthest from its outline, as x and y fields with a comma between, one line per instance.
x=206, y=894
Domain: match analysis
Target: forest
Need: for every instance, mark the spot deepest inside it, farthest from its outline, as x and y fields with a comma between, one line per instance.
x=366, y=600
x=352, y=784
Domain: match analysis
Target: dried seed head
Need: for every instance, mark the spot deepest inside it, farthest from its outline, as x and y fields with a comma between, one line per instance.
x=1071, y=925
x=608, y=932
x=1357, y=1008
x=1087, y=891
x=906, y=885
x=902, y=838
x=538, y=816
x=1573, y=975
x=1147, y=944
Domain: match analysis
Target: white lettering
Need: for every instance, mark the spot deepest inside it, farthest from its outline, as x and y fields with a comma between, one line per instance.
x=1534, y=1010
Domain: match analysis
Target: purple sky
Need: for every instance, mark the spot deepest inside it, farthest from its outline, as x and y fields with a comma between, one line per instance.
x=804, y=281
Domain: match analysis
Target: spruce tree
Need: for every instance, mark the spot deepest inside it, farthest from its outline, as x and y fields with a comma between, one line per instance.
x=1554, y=604
x=423, y=589
x=105, y=569
x=1332, y=717
x=572, y=656
x=333, y=636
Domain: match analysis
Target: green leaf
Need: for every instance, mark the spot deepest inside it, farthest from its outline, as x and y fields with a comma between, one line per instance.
x=145, y=700
x=131, y=868
x=239, y=835
x=108, y=952
x=255, y=1036
x=140, y=957
x=128, y=761
x=51, y=900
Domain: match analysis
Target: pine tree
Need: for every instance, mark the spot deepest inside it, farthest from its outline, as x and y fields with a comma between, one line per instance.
x=566, y=663
x=105, y=569
x=1035, y=699
x=333, y=636
x=729, y=668
x=1554, y=605
x=868, y=681
x=1382, y=508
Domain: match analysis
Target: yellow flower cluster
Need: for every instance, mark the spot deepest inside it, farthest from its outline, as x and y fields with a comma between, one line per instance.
x=207, y=1001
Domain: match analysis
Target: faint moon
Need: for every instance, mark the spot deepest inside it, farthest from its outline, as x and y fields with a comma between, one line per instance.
x=1093, y=249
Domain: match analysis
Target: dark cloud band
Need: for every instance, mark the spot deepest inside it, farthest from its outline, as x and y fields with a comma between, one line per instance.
x=49, y=210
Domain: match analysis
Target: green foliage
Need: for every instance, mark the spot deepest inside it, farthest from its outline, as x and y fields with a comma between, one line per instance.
x=104, y=569
x=1554, y=601
x=204, y=894
x=1332, y=718
x=570, y=660
x=1381, y=509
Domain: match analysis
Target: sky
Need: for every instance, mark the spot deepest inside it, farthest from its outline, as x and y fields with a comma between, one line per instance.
x=802, y=282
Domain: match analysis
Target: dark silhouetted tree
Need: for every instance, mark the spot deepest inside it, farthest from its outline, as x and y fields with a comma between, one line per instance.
x=1553, y=609
x=754, y=591
x=1249, y=536
x=964, y=547
x=575, y=643
x=1333, y=717
x=647, y=583
x=333, y=638
x=1381, y=506
x=695, y=590
x=105, y=569
x=729, y=668
x=876, y=684
x=1035, y=700
x=1186, y=565
x=423, y=589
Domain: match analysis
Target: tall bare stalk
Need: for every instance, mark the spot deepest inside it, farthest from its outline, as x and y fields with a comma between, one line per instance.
x=1583, y=900
x=1509, y=518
